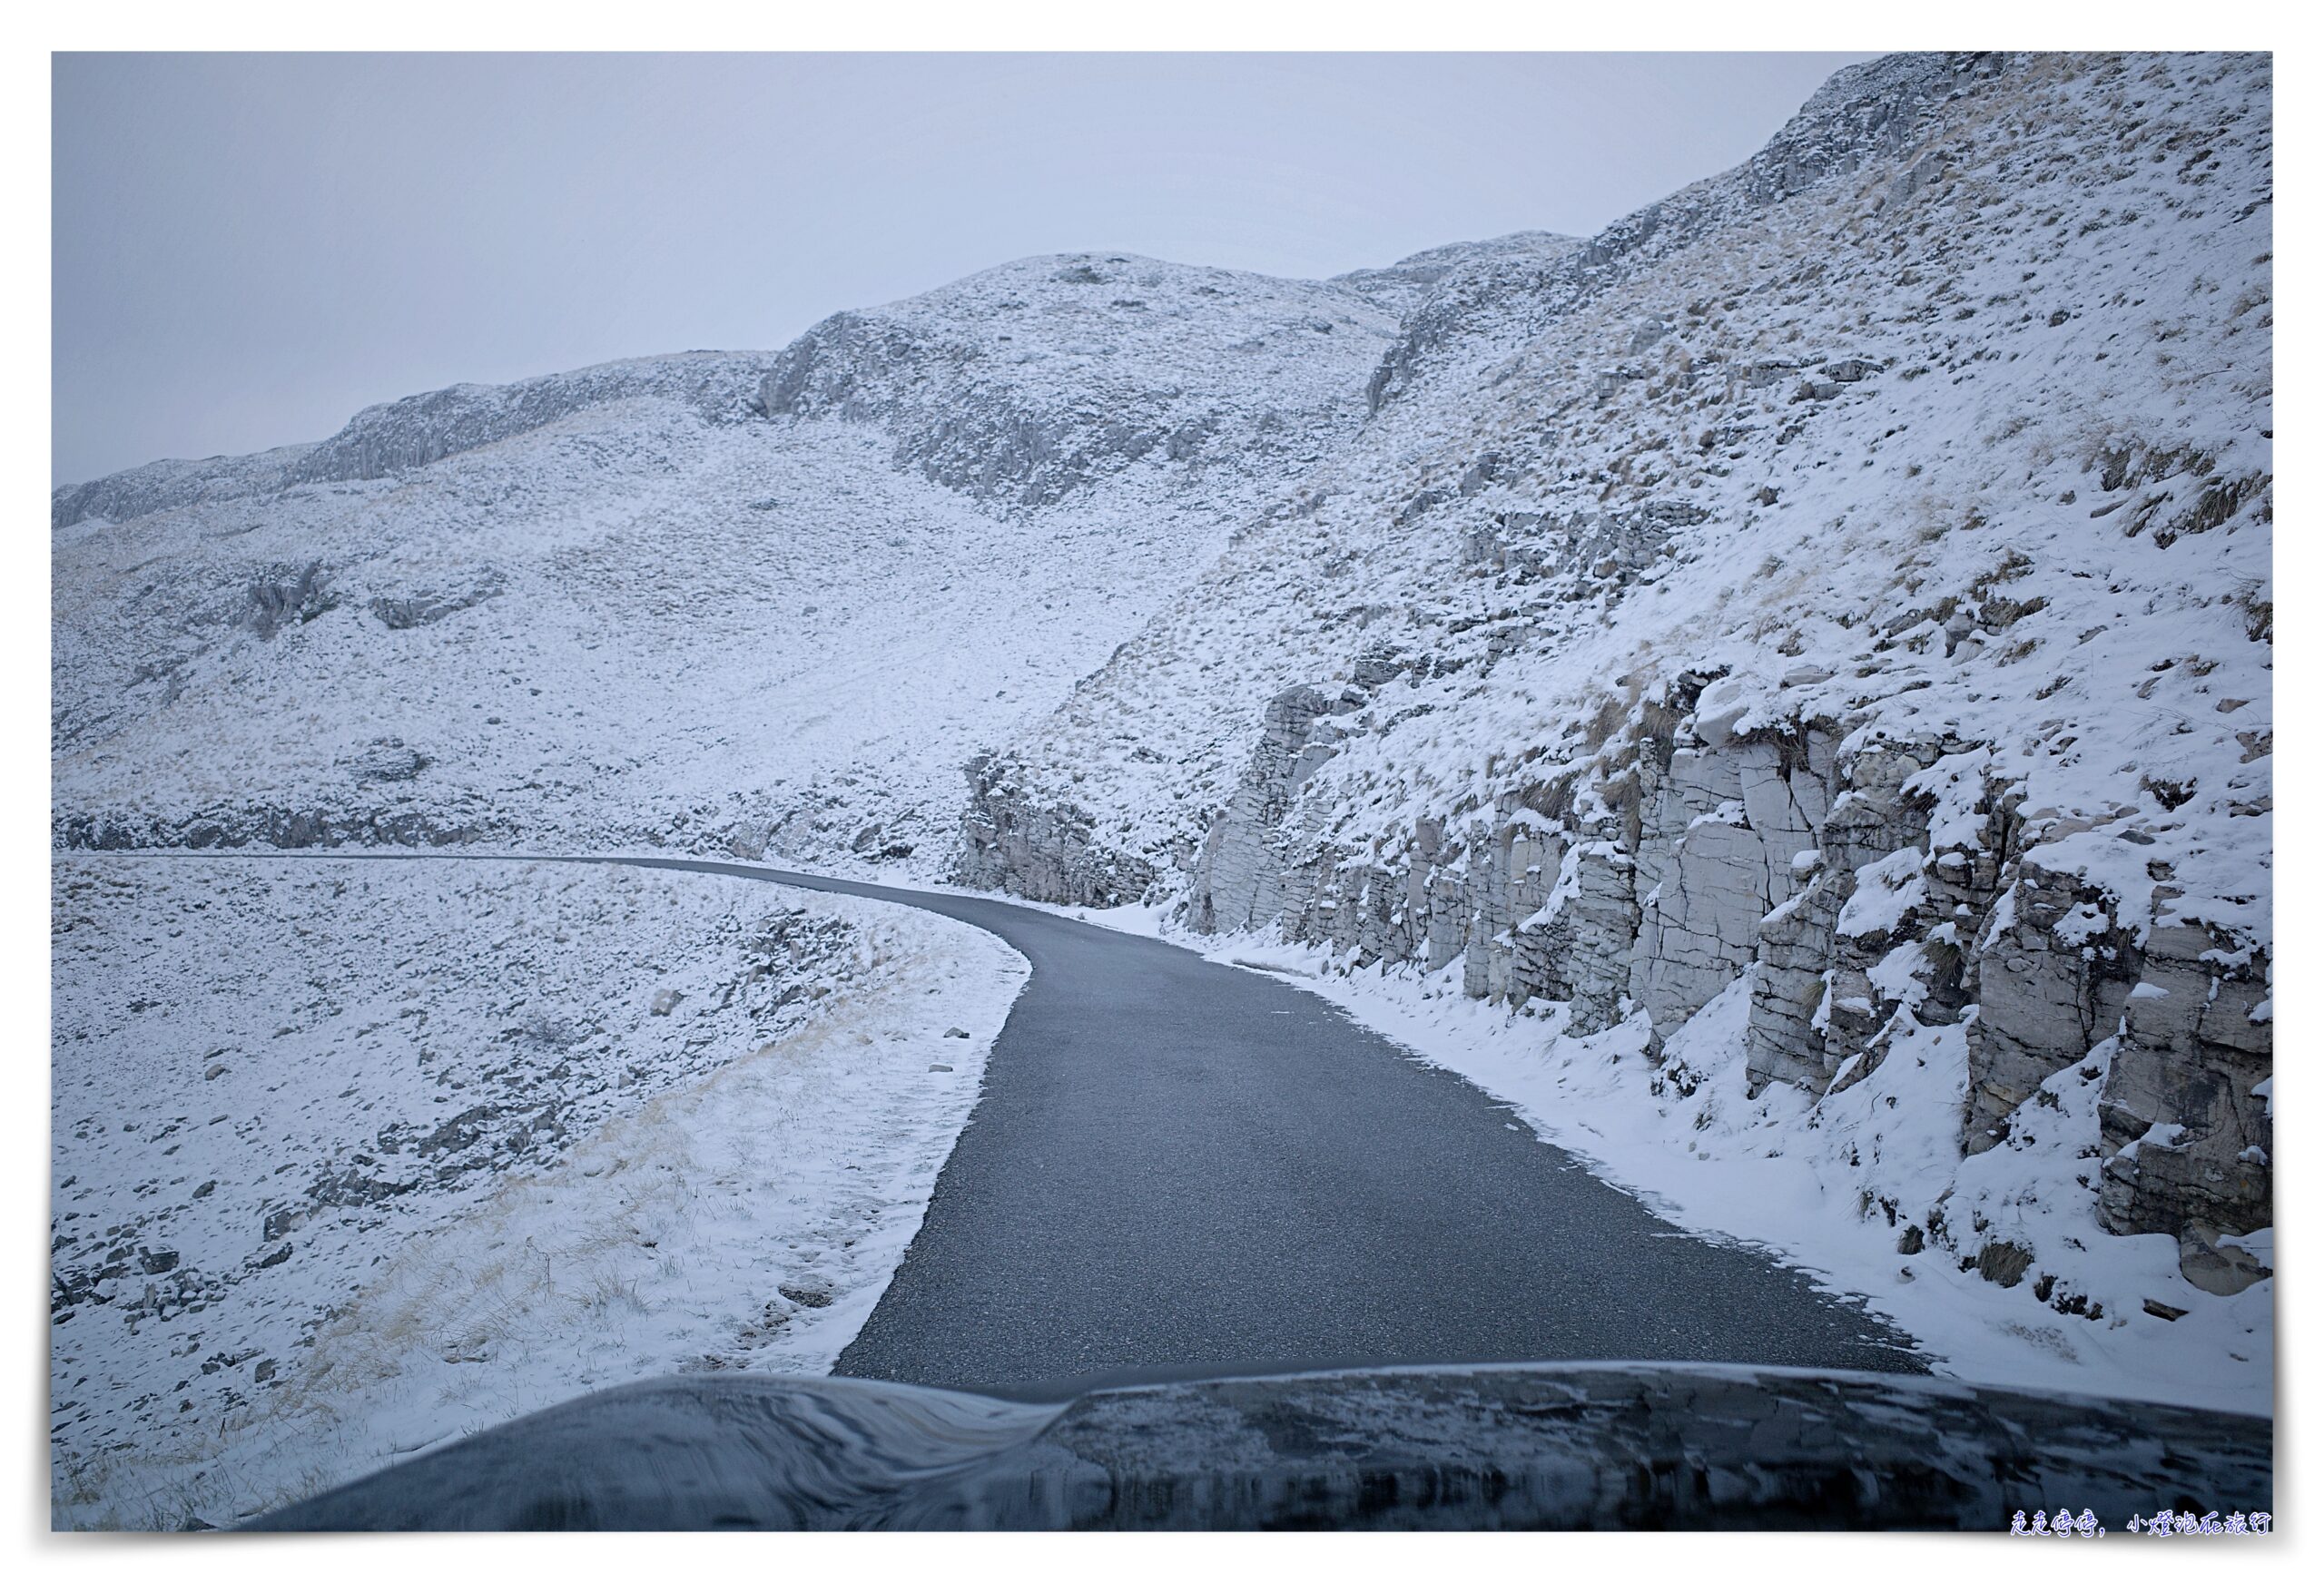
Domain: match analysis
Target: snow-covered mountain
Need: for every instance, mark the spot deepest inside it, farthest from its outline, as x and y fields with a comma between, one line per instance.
x=760, y=601
x=1812, y=641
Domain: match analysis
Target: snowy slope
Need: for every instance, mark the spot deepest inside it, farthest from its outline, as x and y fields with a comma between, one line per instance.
x=629, y=605
x=1667, y=397
x=1032, y=381
x=397, y=436
x=630, y=626
x=1837, y=433
x=352, y=1156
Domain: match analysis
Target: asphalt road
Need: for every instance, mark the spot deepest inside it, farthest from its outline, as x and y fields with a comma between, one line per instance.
x=1178, y=1168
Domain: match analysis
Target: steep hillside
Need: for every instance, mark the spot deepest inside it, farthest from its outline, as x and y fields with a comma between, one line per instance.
x=1850, y=579
x=1408, y=283
x=735, y=600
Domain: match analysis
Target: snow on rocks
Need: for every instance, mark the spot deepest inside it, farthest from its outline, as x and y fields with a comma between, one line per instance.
x=353, y=1156
x=1028, y=382
x=397, y=436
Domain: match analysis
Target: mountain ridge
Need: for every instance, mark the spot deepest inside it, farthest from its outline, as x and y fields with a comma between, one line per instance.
x=382, y=438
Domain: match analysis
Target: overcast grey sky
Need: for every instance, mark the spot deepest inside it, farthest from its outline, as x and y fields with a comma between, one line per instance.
x=249, y=248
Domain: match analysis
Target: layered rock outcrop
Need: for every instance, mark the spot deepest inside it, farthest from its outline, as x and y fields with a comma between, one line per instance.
x=1048, y=849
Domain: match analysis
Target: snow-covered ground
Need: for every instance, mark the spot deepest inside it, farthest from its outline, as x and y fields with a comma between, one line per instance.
x=632, y=623
x=2019, y=370
x=353, y=1156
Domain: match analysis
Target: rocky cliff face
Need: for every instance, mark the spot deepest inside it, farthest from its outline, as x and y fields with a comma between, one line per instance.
x=1848, y=578
x=1808, y=865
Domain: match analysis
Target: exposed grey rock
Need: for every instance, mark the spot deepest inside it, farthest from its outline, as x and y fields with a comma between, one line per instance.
x=1578, y=948
x=1783, y=1039
x=1715, y=853
x=1734, y=852
x=267, y=826
x=1585, y=552
x=1045, y=851
x=286, y=598
x=1240, y=884
x=424, y=609
x=2221, y=1269
x=389, y=759
x=2051, y=981
x=2188, y=1141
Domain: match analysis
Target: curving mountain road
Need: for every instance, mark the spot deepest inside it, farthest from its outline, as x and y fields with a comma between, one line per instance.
x=1178, y=1168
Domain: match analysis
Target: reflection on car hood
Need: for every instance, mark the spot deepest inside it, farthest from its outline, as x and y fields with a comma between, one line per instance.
x=1592, y=1445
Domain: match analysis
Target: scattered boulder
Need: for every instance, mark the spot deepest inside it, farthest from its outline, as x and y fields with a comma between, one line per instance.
x=2219, y=1267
